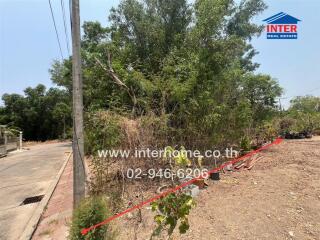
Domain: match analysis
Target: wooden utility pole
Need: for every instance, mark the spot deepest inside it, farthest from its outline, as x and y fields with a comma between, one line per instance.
x=77, y=144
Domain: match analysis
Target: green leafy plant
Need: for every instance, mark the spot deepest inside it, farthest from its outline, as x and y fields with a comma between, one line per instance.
x=245, y=143
x=102, y=130
x=174, y=208
x=179, y=156
x=171, y=210
x=89, y=212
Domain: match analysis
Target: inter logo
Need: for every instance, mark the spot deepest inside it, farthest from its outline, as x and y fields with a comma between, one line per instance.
x=282, y=26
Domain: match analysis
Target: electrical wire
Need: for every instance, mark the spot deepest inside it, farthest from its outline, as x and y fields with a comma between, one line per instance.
x=65, y=25
x=55, y=27
x=292, y=96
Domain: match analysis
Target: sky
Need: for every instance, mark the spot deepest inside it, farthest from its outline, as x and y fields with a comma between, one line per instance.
x=28, y=44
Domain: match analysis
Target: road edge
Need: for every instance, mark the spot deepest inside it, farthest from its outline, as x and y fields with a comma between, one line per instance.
x=35, y=218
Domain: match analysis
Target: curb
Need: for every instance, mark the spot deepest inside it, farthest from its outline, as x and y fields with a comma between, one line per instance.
x=35, y=218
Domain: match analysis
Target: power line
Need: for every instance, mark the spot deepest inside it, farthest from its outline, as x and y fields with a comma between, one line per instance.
x=292, y=96
x=315, y=89
x=55, y=27
x=65, y=25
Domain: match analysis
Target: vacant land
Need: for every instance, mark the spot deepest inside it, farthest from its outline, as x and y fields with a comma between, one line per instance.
x=278, y=199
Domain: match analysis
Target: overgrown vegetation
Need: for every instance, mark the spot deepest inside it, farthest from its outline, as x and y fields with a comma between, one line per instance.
x=168, y=58
x=189, y=64
x=163, y=73
x=102, y=131
x=303, y=115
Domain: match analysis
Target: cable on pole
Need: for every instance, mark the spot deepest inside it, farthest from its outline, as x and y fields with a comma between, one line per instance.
x=70, y=13
x=55, y=27
x=65, y=25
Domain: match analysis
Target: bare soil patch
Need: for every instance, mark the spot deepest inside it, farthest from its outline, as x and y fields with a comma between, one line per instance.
x=279, y=198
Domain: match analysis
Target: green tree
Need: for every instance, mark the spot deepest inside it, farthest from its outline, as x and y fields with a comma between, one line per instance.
x=40, y=114
x=305, y=113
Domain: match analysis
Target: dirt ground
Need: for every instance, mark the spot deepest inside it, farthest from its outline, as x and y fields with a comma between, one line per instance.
x=279, y=198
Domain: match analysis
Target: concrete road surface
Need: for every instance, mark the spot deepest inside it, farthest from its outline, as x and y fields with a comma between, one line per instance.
x=23, y=175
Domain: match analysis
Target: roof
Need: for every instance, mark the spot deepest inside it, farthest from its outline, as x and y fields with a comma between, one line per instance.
x=281, y=18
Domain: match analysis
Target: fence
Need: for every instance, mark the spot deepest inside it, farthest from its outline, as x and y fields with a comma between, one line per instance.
x=9, y=142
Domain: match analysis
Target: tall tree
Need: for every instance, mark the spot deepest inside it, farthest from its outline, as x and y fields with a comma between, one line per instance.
x=190, y=62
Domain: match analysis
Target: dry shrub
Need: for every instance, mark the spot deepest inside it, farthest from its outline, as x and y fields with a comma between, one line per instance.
x=106, y=130
x=154, y=131
x=131, y=133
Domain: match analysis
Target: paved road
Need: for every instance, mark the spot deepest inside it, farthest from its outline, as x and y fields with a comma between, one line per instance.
x=22, y=175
